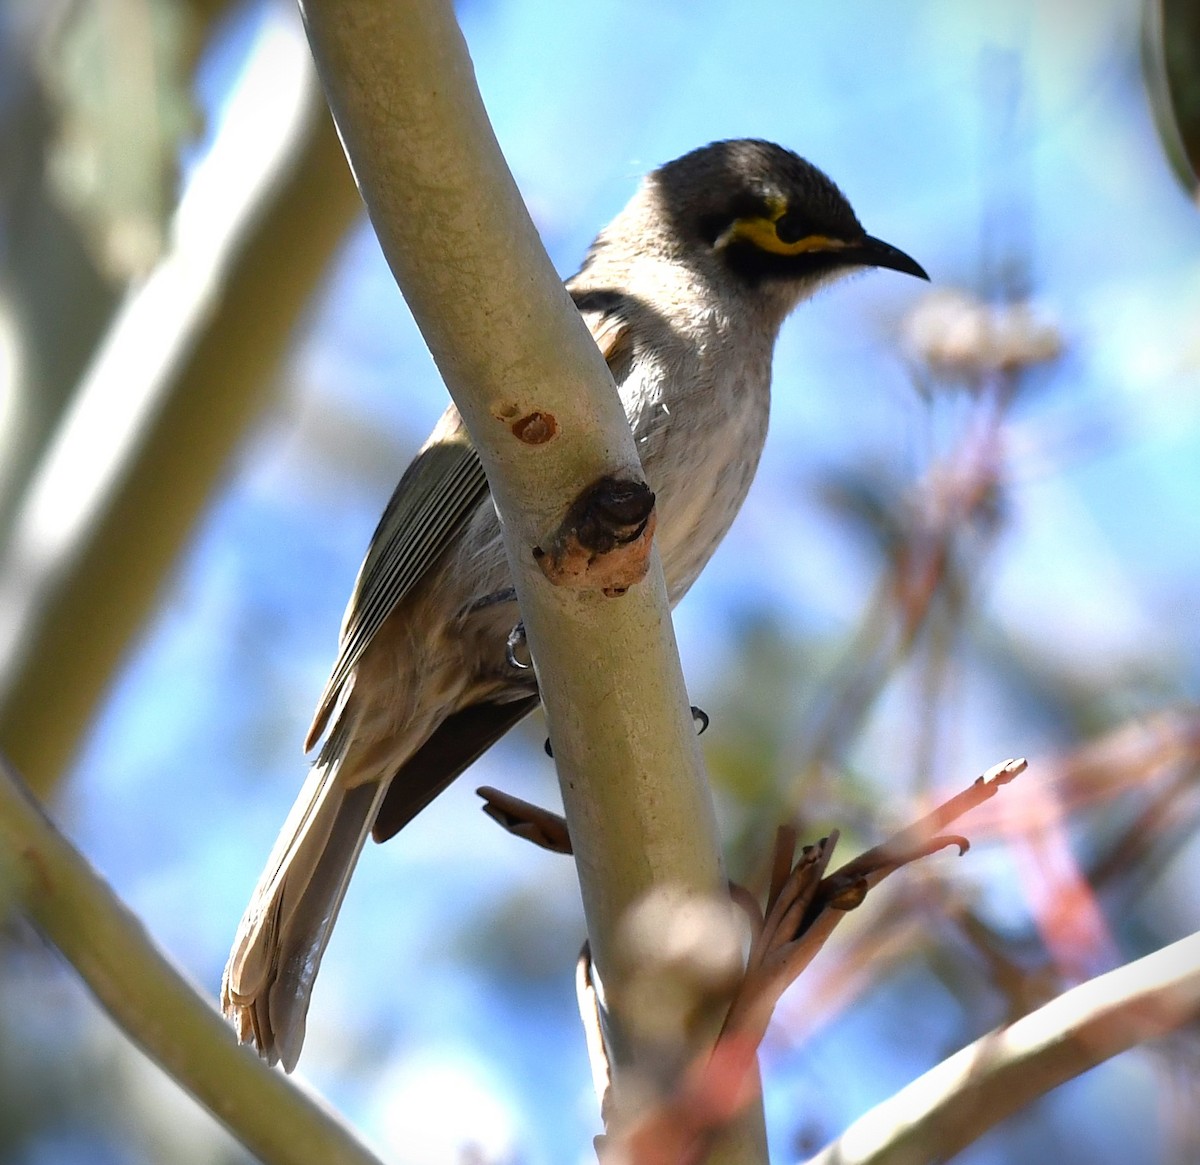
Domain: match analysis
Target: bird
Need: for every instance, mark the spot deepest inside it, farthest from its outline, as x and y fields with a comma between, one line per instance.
x=684, y=292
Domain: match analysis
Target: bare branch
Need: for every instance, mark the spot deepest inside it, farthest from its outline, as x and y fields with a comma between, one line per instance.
x=539, y=403
x=152, y=1001
x=956, y=1102
x=102, y=522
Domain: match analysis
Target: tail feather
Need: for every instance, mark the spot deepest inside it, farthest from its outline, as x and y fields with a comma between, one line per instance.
x=283, y=934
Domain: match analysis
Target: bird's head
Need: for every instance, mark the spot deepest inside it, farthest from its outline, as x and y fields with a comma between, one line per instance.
x=763, y=214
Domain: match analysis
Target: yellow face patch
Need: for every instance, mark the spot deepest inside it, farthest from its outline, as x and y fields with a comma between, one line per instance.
x=762, y=232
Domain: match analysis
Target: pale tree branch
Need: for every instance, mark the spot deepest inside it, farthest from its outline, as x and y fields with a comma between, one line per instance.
x=185, y=367
x=954, y=1103
x=514, y=352
x=152, y=1001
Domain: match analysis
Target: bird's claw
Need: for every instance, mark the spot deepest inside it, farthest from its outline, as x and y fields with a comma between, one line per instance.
x=516, y=649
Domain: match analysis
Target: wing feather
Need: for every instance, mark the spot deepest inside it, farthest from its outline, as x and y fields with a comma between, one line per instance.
x=436, y=496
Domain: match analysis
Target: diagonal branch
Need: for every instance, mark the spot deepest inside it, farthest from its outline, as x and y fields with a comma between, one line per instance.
x=509, y=344
x=173, y=387
x=955, y=1103
x=151, y=1000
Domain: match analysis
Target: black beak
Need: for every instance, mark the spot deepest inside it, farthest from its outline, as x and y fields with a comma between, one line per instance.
x=871, y=252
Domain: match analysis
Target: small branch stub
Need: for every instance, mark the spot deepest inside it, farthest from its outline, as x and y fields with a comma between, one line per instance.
x=525, y=820
x=604, y=541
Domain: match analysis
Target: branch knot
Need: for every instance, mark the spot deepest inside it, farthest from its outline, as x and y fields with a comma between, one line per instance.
x=604, y=541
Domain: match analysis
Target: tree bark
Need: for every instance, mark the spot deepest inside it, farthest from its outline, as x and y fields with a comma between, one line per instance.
x=509, y=345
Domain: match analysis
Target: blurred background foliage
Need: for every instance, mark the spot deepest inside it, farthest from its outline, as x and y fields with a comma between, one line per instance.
x=973, y=535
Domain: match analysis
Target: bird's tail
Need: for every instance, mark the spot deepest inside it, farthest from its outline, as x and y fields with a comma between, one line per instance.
x=283, y=934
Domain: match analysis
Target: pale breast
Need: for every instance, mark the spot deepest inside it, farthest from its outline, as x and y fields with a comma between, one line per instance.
x=700, y=425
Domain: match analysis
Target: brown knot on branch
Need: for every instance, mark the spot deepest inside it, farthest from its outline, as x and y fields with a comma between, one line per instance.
x=604, y=541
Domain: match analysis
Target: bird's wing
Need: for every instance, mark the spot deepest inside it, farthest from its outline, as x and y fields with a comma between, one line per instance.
x=457, y=742
x=436, y=496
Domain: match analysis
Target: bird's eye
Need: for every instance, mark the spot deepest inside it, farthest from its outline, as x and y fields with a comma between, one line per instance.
x=792, y=227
